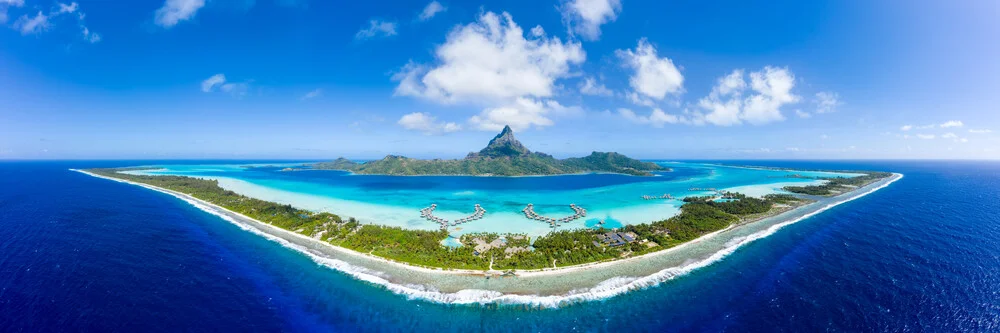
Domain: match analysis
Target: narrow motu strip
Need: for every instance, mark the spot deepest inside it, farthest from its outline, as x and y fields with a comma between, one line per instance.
x=546, y=287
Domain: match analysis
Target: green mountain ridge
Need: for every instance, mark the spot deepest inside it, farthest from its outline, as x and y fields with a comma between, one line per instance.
x=503, y=145
x=503, y=156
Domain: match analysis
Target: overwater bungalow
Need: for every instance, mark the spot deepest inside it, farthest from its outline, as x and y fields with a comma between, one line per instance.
x=578, y=212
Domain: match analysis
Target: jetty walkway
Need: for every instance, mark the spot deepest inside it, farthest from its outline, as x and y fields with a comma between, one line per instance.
x=711, y=189
x=428, y=213
x=654, y=197
x=578, y=212
x=478, y=214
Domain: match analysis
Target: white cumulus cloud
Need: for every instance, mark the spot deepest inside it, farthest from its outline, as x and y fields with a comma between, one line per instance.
x=377, y=28
x=980, y=131
x=585, y=17
x=521, y=114
x=538, y=31
x=727, y=104
x=590, y=86
x=773, y=87
x=906, y=128
x=175, y=11
x=424, y=122
x=70, y=8
x=491, y=59
x=493, y=64
x=652, y=76
x=430, y=10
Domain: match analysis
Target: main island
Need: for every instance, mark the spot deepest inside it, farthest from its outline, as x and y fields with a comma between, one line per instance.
x=560, y=235
x=503, y=156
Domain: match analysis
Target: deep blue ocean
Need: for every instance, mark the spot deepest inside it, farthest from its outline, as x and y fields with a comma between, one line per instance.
x=78, y=253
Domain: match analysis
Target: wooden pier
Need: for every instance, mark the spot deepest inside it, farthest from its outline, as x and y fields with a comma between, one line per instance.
x=710, y=189
x=654, y=197
x=578, y=212
x=428, y=213
x=478, y=214
x=703, y=189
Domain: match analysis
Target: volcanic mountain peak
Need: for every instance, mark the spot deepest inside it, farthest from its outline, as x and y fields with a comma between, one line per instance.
x=504, y=145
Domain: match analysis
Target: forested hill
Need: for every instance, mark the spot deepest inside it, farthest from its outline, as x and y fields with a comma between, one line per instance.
x=503, y=156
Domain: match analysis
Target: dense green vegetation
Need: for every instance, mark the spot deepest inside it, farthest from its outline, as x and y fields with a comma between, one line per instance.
x=531, y=164
x=699, y=216
x=504, y=156
x=284, y=216
x=837, y=185
x=512, y=240
x=338, y=164
x=611, y=162
x=781, y=198
x=735, y=203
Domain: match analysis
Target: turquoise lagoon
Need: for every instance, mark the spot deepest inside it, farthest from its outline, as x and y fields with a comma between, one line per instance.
x=396, y=200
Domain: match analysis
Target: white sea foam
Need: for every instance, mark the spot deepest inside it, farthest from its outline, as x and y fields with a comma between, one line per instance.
x=605, y=289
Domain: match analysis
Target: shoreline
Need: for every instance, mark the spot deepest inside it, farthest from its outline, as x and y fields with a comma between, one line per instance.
x=469, y=286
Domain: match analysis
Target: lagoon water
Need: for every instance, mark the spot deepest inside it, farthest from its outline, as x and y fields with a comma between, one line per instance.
x=396, y=201
x=82, y=253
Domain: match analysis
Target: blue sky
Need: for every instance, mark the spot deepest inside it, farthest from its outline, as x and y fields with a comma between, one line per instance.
x=307, y=79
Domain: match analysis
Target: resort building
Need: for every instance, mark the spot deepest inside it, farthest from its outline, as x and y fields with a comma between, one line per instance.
x=482, y=246
x=614, y=239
